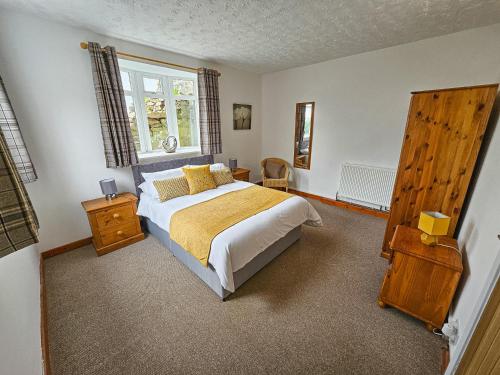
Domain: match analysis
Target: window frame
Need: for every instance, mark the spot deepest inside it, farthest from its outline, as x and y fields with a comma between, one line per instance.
x=138, y=93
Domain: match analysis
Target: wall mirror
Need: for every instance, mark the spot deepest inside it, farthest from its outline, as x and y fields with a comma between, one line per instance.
x=304, y=121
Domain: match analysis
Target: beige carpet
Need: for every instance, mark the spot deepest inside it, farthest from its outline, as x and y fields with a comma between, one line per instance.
x=311, y=311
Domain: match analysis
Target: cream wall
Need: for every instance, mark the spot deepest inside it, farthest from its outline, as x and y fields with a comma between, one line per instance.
x=48, y=78
x=20, y=341
x=362, y=100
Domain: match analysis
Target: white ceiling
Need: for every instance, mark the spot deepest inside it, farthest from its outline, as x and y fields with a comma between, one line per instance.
x=268, y=35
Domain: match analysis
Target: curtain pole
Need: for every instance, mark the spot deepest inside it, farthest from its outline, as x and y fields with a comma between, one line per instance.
x=84, y=45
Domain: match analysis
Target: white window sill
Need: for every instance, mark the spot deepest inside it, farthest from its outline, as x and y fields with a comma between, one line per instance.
x=154, y=156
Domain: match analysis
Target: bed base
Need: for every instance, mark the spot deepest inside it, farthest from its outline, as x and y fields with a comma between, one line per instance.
x=208, y=274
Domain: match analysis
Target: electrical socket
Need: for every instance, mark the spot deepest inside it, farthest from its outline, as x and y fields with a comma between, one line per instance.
x=450, y=331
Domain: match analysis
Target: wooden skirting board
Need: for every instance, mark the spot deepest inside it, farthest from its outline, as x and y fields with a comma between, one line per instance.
x=349, y=206
x=67, y=247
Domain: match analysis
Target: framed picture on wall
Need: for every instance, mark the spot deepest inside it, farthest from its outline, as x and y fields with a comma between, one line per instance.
x=242, y=116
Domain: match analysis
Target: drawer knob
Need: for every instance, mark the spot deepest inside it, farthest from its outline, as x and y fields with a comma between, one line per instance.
x=120, y=232
x=116, y=216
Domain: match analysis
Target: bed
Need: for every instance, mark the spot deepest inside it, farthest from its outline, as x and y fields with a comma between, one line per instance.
x=238, y=252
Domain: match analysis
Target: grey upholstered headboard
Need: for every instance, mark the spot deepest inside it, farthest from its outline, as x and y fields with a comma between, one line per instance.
x=167, y=164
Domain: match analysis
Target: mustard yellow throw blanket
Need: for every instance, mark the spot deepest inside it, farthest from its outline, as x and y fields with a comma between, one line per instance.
x=196, y=226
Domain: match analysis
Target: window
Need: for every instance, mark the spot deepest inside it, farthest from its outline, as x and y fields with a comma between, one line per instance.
x=160, y=102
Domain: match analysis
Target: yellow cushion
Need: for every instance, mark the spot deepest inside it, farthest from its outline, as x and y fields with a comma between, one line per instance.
x=223, y=176
x=199, y=178
x=171, y=188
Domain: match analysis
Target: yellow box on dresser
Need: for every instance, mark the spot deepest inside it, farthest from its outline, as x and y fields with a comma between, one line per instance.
x=114, y=223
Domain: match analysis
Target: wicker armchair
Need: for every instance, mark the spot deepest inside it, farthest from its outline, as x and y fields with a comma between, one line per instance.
x=282, y=181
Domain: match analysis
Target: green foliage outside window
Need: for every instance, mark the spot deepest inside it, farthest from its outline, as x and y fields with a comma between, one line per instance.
x=183, y=87
x=184, y=110
x=157, y=121
x=132, y=116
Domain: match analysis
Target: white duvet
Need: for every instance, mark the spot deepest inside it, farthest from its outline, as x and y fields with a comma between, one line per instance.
x=232, y=249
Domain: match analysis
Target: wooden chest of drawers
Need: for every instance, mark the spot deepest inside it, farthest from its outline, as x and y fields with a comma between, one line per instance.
x=241, y=174
x=114, y=223
x=421, y=280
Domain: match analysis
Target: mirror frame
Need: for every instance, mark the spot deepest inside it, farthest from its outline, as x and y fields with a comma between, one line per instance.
x=295, y=150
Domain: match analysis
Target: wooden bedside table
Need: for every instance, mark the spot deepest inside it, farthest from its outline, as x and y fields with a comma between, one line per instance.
x=114, y=223
x=241, y=174
x=421, y=280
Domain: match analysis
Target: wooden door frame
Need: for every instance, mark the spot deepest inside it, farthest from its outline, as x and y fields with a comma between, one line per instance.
x=295, y=151
x=482, y=314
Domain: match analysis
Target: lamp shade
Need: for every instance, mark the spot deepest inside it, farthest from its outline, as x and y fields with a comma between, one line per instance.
x=233, y=163
x=108, y=186
x=434, y=223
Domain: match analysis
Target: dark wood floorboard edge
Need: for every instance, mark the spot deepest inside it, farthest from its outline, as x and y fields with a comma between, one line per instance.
x=348, y=206
x=44, y=328
x=385, y=254
x=67, y=247
x=445, y=358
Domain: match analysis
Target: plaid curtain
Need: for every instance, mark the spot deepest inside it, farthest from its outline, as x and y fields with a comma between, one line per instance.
x=119, y=148
x=18, y=221
x=208, y=96
x=14, y=139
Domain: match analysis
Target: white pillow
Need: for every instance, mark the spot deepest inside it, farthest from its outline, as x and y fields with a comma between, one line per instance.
x=213, y=167
x=217, y=166
x=162, y=175
x=148, y=187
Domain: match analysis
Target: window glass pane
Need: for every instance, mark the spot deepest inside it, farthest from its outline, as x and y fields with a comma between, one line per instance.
x=126, y=81
x=157, y=121
x=133, y=121
x=152, y=85
x=183, y=87
x=186, y=123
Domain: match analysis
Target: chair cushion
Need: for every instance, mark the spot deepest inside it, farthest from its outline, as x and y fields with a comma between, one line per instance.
x=171, y=188
x=273, y=170
x=199, y=179
x=223, y=176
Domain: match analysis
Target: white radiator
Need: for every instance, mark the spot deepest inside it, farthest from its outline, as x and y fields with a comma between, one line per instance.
x=366, y=185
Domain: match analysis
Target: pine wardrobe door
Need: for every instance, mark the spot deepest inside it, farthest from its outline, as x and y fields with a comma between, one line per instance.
x=443, y=135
